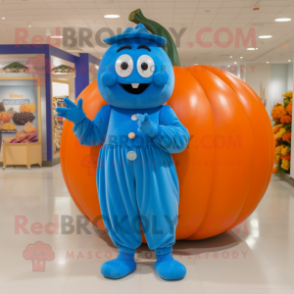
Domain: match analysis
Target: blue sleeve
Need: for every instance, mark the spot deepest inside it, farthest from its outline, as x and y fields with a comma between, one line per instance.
x=172, y=136
x=93, y=133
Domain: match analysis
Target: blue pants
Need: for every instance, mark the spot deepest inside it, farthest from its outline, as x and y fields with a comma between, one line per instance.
x=144, y=190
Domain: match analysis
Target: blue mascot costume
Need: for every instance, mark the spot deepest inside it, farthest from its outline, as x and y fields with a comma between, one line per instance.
x=136, y=177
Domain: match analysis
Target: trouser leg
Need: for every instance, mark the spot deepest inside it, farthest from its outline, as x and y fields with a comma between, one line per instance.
x=157, y=193
x=116, y=190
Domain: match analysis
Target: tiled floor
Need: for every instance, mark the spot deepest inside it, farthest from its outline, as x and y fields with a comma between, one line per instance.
x=257, y=260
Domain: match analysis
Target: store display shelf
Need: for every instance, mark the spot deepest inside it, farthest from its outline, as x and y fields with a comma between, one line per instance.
x=22, y=154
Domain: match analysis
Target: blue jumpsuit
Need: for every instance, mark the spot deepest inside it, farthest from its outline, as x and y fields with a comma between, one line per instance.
x=136, y=176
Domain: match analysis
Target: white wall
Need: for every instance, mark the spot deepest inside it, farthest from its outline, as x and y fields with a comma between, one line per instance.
x=258, y=76
x=290, y=77
x=279, y=83
x=270, y=82
x=277, y=80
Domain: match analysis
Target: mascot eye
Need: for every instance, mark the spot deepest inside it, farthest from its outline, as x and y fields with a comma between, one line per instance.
x=124, y=65
x=145, y=66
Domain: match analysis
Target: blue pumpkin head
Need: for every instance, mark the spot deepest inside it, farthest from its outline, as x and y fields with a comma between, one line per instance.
x=135, y=72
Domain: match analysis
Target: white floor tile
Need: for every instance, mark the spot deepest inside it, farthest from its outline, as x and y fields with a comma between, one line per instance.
x=108, y=288
x=258, y=259
x=150, y=280
x=242, y=277
x=283, y=258
x=278, y=243
x=288, y=274
x=246, y=291
x=88, y=273
x=31, y=290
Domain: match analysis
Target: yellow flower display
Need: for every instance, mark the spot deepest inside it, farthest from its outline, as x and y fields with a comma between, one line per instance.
x=285, y=164
x=280, y=133
x=288, y=94
x=285, y=150
x=289, y=108
x=282, y=117
x=278, y=153
x=277, y=128
x=278, y=112
x=286, y=119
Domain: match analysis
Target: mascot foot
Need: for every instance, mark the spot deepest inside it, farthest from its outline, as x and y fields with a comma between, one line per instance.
x=120, y=267
x=168, y=268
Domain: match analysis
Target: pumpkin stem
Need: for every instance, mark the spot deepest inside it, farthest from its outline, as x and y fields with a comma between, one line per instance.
x=155, y=28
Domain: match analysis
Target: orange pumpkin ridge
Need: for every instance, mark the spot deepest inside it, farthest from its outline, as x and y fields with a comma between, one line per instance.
x=223, y=173
x=263, y=150
x=197, y=160
x=225, y=206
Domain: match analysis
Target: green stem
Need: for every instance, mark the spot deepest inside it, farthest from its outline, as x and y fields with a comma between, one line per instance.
x=155, y=28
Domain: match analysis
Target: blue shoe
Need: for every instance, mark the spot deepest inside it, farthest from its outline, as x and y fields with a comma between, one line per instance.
x=168, y=268
x=120, y=267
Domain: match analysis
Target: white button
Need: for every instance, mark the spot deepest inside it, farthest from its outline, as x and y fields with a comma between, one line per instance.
x=131, y=135
x=131, y=155
x=134, y=117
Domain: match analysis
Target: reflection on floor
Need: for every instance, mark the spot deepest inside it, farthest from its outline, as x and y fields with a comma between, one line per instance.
x=255, y=258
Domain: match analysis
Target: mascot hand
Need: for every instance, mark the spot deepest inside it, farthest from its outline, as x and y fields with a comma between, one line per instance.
x=73, y=113
x=146, y=126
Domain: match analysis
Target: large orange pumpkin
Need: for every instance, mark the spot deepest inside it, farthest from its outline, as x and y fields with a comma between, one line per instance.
x=226, y=168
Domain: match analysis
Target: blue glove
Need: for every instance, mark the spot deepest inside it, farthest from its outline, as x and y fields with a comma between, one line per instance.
x=146, y=126
x=74, y=113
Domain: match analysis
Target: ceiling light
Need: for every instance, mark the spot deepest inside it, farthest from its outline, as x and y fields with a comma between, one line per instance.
x=231, y=56
x=289, y=60
x=30, y=26
x=252, y=49
x=111, y=16
x=265, y=37
x=3, y=17
x=241, y=57
x=235, y=62
x=56, y=37
x=267, y=62
x=283, y=19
